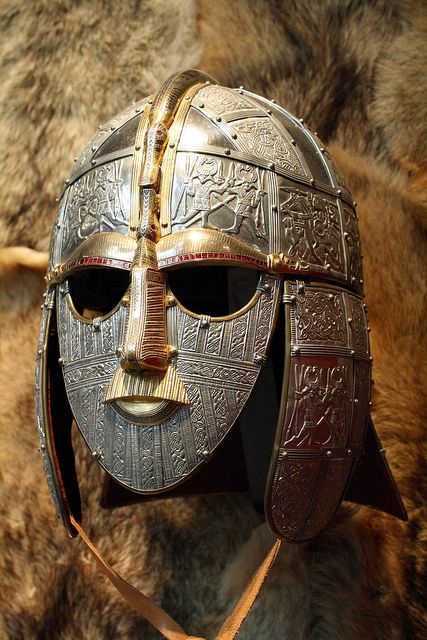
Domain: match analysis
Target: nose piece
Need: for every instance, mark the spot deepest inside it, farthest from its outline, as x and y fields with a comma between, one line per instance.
x=145, y=345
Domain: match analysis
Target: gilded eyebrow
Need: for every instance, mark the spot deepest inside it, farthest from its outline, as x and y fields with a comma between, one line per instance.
x=106, y=249
x=209, y=247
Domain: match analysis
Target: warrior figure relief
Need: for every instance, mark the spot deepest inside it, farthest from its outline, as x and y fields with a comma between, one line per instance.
x=239, y=194
x=311, y=228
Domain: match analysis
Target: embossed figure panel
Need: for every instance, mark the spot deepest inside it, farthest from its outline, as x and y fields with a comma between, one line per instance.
x=217, y=193
x=319, y=403
x=97, y=202
x=311, y=228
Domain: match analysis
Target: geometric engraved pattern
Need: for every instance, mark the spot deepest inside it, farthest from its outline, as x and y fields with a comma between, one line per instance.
x=320, y=316
x=217, y=370
x=221, y=100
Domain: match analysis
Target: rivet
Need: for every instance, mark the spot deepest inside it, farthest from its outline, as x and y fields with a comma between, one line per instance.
x=218, y=119
x=352, y=352
x=269, y=112
x=172, y=351
x=241, y=87
x=119, y=351
x=94, y=149
x=361, y=281
x=331, y=296
x=296, y=351
x=293, y=299
x=339, y=192
x=234, y=136
x=329, y=452
x=170, y=300
x=39, y=352
x=172, y=144
x=301, y=120
x=205, y=453
x=137, y=109
x=58, y=225
x=96, y=454
x=150, y=101
x=267, y=287
x=349, y=320
x=328, y=266
x=202, y=105
x=284, y=454
x=322, y=149
x=137, y=147
x=112, y=128
x=293, y=142
x=273, y=101
x=75, y=159
x=274, y=208
x=312, y=181
x=371, y=359
x=96, y=323
x=258, y=359
x=354, y=204
x=41, y=448
x=356, y=401
x=56, y=199
x=227, y=152
x=67, y=181
x=93, y=162
x=349, y=452
x=187, y=97
x=61, y=362
x=271, y=166
x=370, y=403
x=301, y=289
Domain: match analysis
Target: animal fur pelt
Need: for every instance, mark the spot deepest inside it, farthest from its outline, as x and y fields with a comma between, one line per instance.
x=355, y=70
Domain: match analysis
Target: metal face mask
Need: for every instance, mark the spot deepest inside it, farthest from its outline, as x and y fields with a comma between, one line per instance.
x=189, y=220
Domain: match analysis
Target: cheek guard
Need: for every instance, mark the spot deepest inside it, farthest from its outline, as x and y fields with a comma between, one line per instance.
x=199, y=179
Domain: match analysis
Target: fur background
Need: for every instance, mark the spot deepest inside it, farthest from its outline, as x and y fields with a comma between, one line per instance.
x=355, y=70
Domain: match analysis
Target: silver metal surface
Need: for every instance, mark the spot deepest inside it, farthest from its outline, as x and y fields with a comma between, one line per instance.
x=204, y=175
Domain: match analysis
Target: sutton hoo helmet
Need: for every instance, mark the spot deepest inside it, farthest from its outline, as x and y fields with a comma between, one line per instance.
x=205, y=272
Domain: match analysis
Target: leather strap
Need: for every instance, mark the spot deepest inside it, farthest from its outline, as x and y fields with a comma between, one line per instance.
x=162, y=620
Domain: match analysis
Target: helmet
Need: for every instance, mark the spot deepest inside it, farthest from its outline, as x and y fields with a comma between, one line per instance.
x=205, y=272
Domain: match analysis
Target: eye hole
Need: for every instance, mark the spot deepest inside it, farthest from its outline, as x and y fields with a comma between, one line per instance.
x=213, y=291
x=96, y=292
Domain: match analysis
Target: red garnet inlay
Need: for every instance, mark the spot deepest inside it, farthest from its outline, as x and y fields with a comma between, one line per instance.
x=211, y=256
